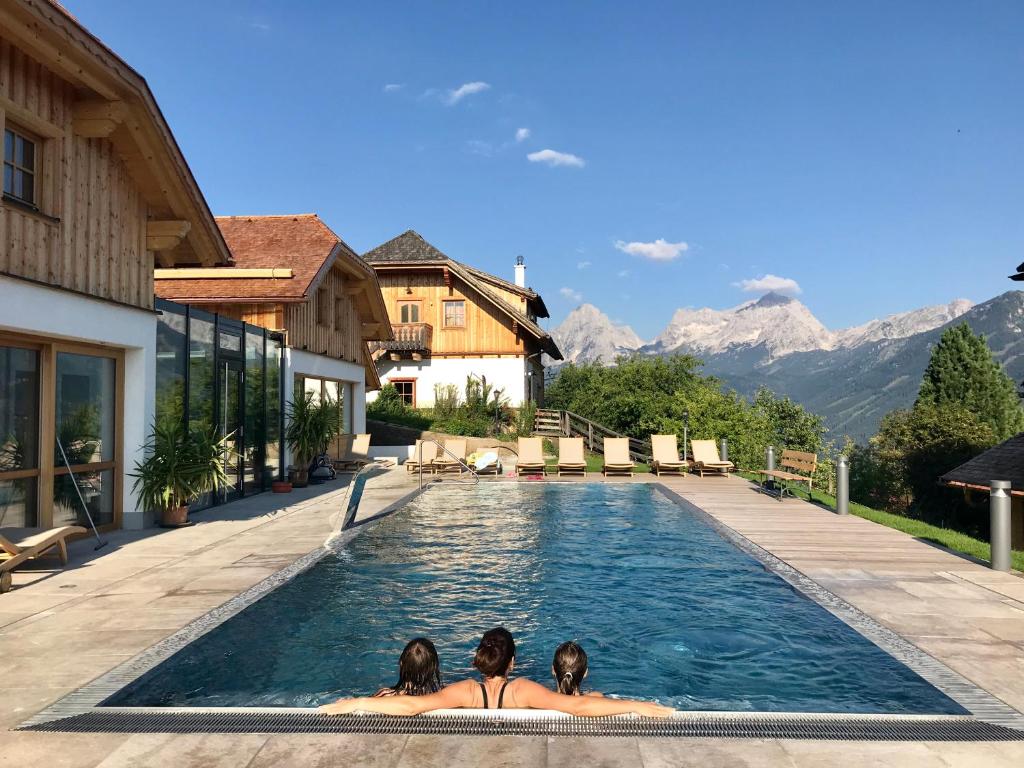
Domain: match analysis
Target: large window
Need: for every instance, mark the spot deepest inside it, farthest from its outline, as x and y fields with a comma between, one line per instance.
x=329, y=390
x=19, y=437
x=455, y=314
x=84, y=455
x=20, y=163
x=409, y=311
x=201, y=392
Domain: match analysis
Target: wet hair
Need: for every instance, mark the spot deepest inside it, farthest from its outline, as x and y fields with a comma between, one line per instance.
x=419, y=670
x=569, y=667
x=495, y=653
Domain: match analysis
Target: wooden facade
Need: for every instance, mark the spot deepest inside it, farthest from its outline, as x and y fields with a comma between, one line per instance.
x=89, y=232
x=329, y=323
x=486, y=332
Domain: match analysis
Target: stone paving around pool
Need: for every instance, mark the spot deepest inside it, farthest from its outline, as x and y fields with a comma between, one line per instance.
x=61, y=629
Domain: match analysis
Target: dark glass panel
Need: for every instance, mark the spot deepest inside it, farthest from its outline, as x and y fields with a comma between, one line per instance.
x=97, y=491
x=85, y=408
x=19, y=408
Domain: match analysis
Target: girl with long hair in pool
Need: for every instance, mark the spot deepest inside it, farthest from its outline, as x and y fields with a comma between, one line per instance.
x=495, y=659
x=569, y=668
x=419, y=671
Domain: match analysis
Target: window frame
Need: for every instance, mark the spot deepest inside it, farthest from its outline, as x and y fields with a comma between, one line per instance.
x=444, y=313
x=36, y=141
x=412, y=386
x=417, y=304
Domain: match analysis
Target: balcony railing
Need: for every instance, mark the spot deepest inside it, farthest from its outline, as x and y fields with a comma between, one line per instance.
x=410, y=339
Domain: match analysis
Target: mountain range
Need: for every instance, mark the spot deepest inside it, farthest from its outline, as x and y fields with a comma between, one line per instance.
x=852, y=376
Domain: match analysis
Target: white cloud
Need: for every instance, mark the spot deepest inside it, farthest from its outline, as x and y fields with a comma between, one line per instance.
x=766, y=283
x=466, y=89
x=553, y=158
x=623, y=273
x=582, y=264
x=392, y=87
x=659, y=250
x=572, y=294
x=522, y=134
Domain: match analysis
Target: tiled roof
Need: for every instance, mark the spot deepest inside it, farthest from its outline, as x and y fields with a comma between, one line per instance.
x=1001, y=462
x=302, y=242
x=410, y=249
x=407, y=247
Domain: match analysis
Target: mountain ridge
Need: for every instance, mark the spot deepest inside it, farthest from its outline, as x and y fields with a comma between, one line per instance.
x=851, y=376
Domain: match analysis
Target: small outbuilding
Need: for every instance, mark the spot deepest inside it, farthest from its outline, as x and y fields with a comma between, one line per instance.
x=1001, y=462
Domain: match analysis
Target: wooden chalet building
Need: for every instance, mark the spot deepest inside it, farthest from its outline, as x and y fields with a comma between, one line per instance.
x=292, y=275
x=451, y=320
x=96, y=193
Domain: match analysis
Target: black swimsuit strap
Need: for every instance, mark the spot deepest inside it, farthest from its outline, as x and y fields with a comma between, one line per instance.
x=483, y=690
x=501, y=694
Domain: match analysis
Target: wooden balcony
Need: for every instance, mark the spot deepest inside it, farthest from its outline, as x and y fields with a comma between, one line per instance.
x=411, y=340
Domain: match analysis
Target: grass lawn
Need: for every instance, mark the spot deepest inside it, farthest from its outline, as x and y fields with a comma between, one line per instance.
x=946, y=537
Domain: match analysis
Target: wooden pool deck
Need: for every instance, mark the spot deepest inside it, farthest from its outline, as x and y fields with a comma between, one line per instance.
x=60, y=630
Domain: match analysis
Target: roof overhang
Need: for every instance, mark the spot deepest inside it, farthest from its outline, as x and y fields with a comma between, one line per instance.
x=114, y=102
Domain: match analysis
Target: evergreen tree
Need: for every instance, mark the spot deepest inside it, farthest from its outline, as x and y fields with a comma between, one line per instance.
x=962, y=373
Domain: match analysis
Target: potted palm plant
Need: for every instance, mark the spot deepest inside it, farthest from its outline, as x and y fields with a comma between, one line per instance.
x=303, y=435
x=180, y=466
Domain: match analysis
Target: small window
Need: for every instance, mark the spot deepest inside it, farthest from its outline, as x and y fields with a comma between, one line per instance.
x=455, y=314
x=323, y=307
x=19, y=167
x=407, y=389
x=408, y=311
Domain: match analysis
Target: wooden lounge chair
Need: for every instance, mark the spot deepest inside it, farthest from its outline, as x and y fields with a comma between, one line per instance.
x=21, y=544
x=796, y=467
x=531, y=456
x=570, y=456
x=423, y=454
x=706, y=458
x=452, y=457
x=665, y=455
x=357, y=456
x=616, y=457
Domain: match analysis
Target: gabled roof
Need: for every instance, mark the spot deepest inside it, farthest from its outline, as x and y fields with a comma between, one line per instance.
x=409, y=249
x=114, y=101
x=1001, y=462
x=301, y=242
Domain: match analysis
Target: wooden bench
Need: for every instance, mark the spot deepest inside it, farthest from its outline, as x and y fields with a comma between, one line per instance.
x=794, y=467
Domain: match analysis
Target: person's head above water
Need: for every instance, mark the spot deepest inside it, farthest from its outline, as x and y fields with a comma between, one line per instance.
x=496, y=653
x=419, y=671
x=569, y=667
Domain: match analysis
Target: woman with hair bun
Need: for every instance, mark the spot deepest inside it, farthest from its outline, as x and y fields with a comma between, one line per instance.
x=495, y=659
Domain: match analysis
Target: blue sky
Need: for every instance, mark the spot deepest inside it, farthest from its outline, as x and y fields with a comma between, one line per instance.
x=871, y=152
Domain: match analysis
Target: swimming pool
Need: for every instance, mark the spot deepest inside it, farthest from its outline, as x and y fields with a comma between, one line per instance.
x=667, y=608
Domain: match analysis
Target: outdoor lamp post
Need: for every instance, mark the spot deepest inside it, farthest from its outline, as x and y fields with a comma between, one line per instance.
x=686, y=429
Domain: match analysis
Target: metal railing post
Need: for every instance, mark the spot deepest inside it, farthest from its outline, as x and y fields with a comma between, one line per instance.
x=999, y=511
x=842, y=486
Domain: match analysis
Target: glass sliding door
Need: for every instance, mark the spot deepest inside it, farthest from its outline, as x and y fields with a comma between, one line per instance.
x=273, y=419
x=84, y=446
x=232, y=426
x=255, y=411
x=19, y=436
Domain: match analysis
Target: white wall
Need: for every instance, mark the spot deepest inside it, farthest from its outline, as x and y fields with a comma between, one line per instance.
x=297, y=361
x=507, y=373
x=50, y=312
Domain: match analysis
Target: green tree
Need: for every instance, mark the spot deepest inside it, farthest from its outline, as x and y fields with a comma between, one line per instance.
x=962, y=373
x=789, y=425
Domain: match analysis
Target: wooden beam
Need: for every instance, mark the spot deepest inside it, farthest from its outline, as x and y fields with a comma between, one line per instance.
x=352, y=286
x=165, y=235
x=370, y=330
x=221, y=273
x=29, y=119
x=96, y=118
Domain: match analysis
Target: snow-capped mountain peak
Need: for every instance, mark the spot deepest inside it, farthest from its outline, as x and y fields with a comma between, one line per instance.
x=588, y=334
x=903, y=324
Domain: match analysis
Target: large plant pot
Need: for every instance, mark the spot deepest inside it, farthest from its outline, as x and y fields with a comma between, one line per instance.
x=299, y=478
x=174, y=518
x=281, y=486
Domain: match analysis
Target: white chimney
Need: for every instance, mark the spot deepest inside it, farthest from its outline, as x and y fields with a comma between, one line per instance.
x=520, y=272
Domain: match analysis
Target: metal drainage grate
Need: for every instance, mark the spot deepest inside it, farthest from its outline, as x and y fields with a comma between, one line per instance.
x=782, y=727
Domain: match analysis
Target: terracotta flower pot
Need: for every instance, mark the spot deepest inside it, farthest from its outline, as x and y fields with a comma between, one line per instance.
x=281, y=486
x=172, y=518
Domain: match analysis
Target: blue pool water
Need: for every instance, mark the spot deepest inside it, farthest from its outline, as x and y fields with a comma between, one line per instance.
x=666, y=608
